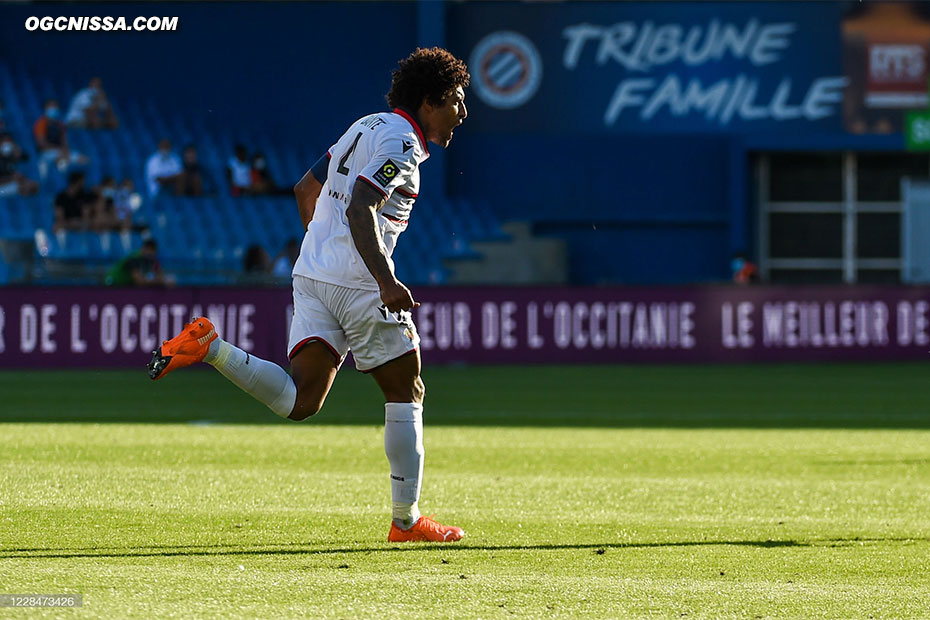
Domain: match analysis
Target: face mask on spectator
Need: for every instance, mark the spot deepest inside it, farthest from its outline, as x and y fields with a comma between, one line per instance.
x=51, y=112
x=108, y=192
x=260, y=164
x=6, y=148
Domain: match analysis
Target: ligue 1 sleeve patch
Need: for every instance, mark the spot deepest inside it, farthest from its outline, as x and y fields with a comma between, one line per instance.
x=386, y=173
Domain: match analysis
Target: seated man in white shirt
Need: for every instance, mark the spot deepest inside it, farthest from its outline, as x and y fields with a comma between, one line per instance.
x=91, y=109
x=239, y=172
x=162, y=169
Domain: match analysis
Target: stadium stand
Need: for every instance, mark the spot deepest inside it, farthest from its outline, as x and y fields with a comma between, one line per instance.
x=225, y=225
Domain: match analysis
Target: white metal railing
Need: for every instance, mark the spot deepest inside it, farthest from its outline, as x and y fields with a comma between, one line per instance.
x=849, y=207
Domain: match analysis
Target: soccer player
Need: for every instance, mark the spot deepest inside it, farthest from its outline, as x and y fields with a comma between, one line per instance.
x=354, y=203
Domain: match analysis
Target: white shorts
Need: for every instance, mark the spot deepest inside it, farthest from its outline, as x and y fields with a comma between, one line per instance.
x=349, y=318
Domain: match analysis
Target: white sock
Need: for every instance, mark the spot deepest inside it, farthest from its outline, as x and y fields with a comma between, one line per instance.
x=267, y=382
x=403, y=444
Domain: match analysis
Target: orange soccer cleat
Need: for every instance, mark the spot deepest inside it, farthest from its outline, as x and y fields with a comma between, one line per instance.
x=425, y=530
x=188, y=347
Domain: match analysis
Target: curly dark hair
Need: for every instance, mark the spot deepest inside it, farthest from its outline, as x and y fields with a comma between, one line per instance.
x=430, y=73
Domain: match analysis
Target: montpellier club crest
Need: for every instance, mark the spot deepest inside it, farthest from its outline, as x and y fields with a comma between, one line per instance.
x=506, y=69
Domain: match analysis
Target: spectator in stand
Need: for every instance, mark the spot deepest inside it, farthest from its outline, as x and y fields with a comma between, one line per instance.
x=125, y=202
x=284, y=263
x=256, y=260
x=52, y=141
x=12, y=181
x=90, y=108
x=74, y=206
x=104, y=216
x=190, y=181
x=239, y=172
x=2, y=120
x=261, y=181
x=162, y=169
x=744, y=270
x=140, y=268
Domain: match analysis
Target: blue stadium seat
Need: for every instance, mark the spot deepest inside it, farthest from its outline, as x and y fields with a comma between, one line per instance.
x=6, y=224
x=95, y=249
x=20, y=220
x=78, y=244
x=110, y=246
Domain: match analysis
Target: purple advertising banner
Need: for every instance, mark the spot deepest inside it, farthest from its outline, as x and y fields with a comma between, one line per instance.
x=98, y=327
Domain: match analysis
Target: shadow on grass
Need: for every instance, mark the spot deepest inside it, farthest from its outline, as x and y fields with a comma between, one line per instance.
x=304, y=549
x=846, y=396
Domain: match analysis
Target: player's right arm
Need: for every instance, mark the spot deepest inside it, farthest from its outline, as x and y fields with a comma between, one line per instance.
x=308, y=189
x=362, y=214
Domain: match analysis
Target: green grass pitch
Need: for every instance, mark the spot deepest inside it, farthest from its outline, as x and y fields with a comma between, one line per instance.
x=670, y=492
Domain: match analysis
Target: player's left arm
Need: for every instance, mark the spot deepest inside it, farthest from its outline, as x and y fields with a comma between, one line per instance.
x=308, y=189
x=363, y=225
x=362, y=214
x=391, y=164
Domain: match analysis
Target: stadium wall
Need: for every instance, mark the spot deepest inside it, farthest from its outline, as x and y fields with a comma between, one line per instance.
x=119, y=328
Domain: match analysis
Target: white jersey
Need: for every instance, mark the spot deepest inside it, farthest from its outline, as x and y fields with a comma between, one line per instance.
x=385, y=151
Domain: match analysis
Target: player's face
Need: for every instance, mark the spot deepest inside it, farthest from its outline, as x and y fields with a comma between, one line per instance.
x=446, y=117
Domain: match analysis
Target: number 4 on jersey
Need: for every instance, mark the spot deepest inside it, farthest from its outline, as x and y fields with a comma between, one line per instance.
x=341, y=168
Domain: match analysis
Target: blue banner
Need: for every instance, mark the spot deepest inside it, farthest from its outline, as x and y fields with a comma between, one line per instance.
x=686, y=67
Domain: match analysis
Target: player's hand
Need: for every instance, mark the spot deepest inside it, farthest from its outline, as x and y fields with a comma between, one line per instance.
x=397, y=297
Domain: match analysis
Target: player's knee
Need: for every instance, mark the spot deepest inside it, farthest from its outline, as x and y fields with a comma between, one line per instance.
x=306, y=408
x=406, y=392
x=303, y=411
